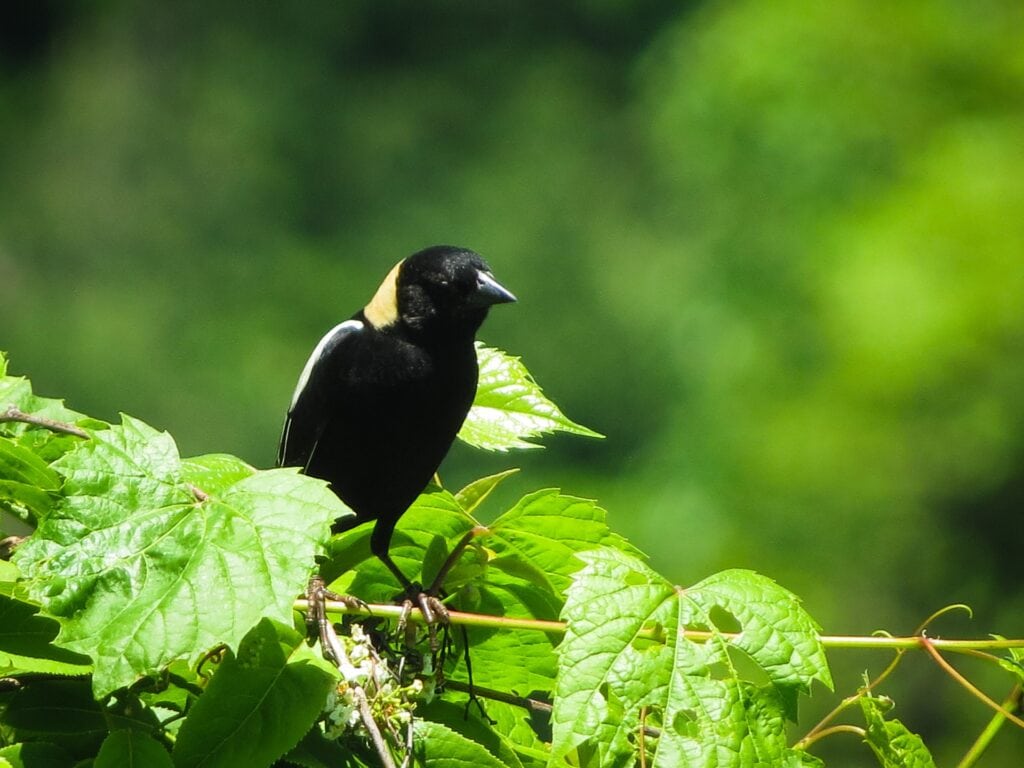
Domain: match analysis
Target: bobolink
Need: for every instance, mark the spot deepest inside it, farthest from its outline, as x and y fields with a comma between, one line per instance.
x=384, y=393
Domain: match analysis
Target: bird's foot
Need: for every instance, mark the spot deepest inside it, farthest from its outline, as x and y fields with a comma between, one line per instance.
x=433, y=610
x=317, y=596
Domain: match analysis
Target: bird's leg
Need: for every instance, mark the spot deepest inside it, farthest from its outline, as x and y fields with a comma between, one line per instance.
x=453, y=558
x=316, y=619
x=433, y=610
x=317, y=596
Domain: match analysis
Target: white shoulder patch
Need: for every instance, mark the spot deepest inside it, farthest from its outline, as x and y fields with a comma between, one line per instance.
x=318, y=351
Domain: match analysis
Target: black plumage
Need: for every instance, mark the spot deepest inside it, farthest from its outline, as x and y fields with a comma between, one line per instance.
x=384, y=393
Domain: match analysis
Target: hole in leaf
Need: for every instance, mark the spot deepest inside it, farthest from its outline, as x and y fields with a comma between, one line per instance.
x=746, y=667
x=685, y=723
x=652, y=635
x=636, y=579
x=697, y=628
x=655, y=716
x=615, y=708
x=719, y=671
x=724, y=621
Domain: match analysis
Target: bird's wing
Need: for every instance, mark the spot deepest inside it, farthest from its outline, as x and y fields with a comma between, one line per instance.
x=312, y=402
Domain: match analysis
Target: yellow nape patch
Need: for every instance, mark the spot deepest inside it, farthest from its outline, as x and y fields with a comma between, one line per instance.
x=382, y=310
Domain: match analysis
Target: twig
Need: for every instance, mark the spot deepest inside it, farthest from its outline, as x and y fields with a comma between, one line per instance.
x=523, y=702
x=371, y=726
x=13, y=413
x=456, y=553
x=641, y=741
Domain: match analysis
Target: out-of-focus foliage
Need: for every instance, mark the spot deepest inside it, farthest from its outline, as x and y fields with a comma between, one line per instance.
x=784, y=242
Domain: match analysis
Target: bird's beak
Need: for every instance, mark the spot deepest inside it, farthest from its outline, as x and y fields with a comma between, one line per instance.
x=489, y=291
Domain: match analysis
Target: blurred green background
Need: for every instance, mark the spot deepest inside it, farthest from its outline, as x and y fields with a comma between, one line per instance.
x=775, y=251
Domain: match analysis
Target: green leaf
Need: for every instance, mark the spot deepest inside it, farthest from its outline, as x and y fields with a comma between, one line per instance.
x=454, y=716
x=317, y=751
x=26, y=643
x=22, y=465
x=259, y=704
x=214, y=472
x=36, y=754
x=131, y=748
x=143, y=570
x=530, y=556
x=55, y=708
x=510, y=409
x=25, y=479
x=626, y=662
x=475, y=493
x=892, y=743
x=434, y=523
x=1014, y=660
x=17, y=391
x=517, y=660
x=438, y=746
x=543, y=532
x=9, y=574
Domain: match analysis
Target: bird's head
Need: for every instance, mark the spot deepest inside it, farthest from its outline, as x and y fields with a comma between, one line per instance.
x=440, y=290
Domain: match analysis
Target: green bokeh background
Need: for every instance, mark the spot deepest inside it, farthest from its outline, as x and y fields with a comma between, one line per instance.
x=775, y=251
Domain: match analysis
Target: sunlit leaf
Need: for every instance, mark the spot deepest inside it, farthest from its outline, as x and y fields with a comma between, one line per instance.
x=438, y=746
x=627, y=664
x=260, y=703
x=128, y=748
x=510, y=409
x=893, y=744
x=143, y=568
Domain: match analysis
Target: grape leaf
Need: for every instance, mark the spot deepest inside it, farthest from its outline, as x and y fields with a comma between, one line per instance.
x=16, y=391
x=144, y=568
x=55, y=708
x=259, y=704
x=214, y=472
x=131, y=748
x=530, y=556
x=25, y=478
x=422, y=539
x=26, y=643
x=893, y=744
x=474, y=494
x=626, y=663
x=35, y=754
x=466, y=722
x=438, y=746
x=510, y=409
x=543, y=531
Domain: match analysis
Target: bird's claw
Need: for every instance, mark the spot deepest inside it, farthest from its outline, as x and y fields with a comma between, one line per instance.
x=317, y=596
x=433, y=610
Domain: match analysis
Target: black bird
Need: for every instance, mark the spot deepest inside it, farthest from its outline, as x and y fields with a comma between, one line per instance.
x=384, y=393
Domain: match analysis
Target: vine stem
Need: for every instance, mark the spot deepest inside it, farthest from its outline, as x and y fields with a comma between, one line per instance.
x=1011, y=704
x=950, y=670
x=806, y=742
x=464, y=618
